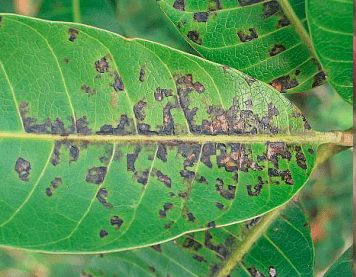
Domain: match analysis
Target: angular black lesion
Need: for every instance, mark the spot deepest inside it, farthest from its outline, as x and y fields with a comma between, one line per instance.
x=271, y=8
x=162, y=152
x=194, y=36
x=96, y=175
x=284, y=83
x=157, y=247
x=116, y=221
x=257, y=188
x=201, y=17
x=102, y=65
x=179, y=5
x=142, y=75
x=101, y=196
x=139, y=110
x=220, y=249
x=277, y=49
x=125, y=127
x=131, y=159
x=73, y=34
x=247, y=37
x=23, y=168
x=319, y=79
x=165, y=179
x=249, y=2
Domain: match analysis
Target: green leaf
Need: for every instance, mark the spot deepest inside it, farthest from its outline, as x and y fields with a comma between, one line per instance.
x=265, y=39
x=97, y=13
x=278, y=244
x=7, y=6
x=331, y=26
x=109, y=144
x=343, y=266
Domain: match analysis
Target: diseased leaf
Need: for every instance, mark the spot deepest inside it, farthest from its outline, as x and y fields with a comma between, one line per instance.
x=281, y=246
x=265, y=39
x=343, y=266
x=98, y=13
x=109, y=144
x=331, y=26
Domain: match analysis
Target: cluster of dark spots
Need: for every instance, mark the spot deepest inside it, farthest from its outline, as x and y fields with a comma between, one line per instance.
x=254, y=273
x=301, y=160
x=139, y=110
x=257, y=187
x=200, y=259
x=187, y=174
x=271, y=8
x=277, y=49
x=116, y=221
x=55, y=184
x=168, y=225
x=253, y=222
x=142, y=177
x=191, y=154
x=284, y=83
x=96, y=175
x=66, y=60
x=118, y=84
x=74, y=152
x=101, y=197
x=160, y=93
x=191, y=243
x=191, y=217
x=73, y=33
x=145, y=129
x=131, y=159
x=179, y=5
x=247, y=37
x=102, y=65
x=220, y=249
x=165, y=179
x=201, y=17
x=162, y=152
x=121, y=128
x=195, y=37
x=275, y=149
x=311, y=151
x=214, y=5
x=261, y=158
x=272, y=172
x=229, y=193
x=214, y=269
x=103, y=233
x=23, y=168
x=283, y=22
x=88, y=90
x=183, y=195
x=81, y=126
x=157, y=247
x=211, y=225
x=272, y=272
x=219, y=205
x=248, y=2
x=319, y=79
x=142, y=74
x=151, y=267
x=55, y=160
x=166, y=208
x=168, y=121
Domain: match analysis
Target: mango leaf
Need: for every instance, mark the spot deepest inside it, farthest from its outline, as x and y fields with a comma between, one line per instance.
x=109, y=144
x=265, y=39
x=343, y=266
x=278, y=244
x=98, y=13
x=331, y=27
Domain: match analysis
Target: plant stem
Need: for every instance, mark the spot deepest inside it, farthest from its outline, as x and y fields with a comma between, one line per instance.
x=77, y=17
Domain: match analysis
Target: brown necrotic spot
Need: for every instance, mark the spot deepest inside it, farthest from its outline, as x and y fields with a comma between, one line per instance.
x=195, y=37
x=271, y=8
x=191, y=243
x=257, y=188
x=139, y=110
x=82, y=126
x=277, y=49
x=102, y=65
x=131, y=159
x=96, y=175
x=179, y=5
x=253, y=222
x=201, y=17
x=284, y=83
x=248, y=2
x=301, y=160
x=73, y=33
x=101, y=197
x=311, y=151
x=319, y=79
x=152, y=268
x=219, y=205
x=56, y=183
x=116, y=221
x=49, y=192
x=103, y=233
x=162, y=152
x=88, y=90
x=118, y=85
x=142, y=178
x=247, y=37
x=286, y=176
x=157, y=247
x=165, y=179
x=220, y=249
x=191, y=217
x=141, y=76
x=66, y=60
x=23, y=168
x=283, y=22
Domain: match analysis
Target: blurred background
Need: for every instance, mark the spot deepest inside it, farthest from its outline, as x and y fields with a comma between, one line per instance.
x=327, y=197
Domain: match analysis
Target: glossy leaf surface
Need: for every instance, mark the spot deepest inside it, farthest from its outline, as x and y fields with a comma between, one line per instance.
x=281, y=246
x=109, y=144
x=343, y=266
x=265, y=39
x=331, y=27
